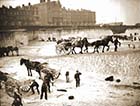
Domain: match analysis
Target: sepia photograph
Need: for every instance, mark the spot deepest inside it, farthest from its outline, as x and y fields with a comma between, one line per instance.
x=69, y=52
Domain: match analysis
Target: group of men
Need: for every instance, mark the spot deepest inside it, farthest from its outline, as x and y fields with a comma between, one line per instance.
x=44, y=88
x=48, y=78
x=45, y=85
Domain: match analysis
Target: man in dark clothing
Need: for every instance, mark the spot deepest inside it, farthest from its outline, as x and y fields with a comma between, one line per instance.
x=116, y=42
x=34, y=84
x=77, y=78
x=17, y=102
x=67, y=76
x=44, y=90
x=48, y=77
x=17, y=96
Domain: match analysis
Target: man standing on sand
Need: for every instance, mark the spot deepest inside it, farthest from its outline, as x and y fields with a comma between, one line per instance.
x=44, y=90
x=48, y=78
x=77, y=78
x=67, y=76
x=116, y=42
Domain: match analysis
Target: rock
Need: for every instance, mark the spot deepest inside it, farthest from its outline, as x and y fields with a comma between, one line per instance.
x=71, y=97
x=136, y=83
x=110, y=78
x=63, y=90
x=118, y=80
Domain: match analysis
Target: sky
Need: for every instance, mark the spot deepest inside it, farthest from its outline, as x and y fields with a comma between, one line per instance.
x=127, y=11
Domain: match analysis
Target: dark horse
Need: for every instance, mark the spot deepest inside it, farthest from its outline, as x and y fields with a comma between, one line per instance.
x=104, y=42
x=5, y=51
x=12, y=49
x=30, y=65
x=80, y=43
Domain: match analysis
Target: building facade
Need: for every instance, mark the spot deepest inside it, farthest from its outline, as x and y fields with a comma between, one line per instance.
x=46, y=13
x=19, y=16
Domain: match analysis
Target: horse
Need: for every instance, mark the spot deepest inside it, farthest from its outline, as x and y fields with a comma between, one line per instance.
x=30, y=65
x=4, y=51
x=80, y=43
x=89, y=44
x=103, y=42
x=12, y=49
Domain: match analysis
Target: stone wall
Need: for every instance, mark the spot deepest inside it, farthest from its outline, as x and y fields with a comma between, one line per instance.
x=16, y=38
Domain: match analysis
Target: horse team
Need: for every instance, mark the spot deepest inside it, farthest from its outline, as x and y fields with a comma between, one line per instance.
x=68, y=46
x=9, y=50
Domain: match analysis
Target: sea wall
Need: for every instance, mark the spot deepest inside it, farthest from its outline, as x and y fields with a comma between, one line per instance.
x=22, y=37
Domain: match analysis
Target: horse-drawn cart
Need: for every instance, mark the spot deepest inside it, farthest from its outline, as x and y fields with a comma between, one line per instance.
x=45, y=69
x=63, y=48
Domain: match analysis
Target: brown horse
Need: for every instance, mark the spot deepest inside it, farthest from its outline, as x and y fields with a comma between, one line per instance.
x=30, y=65
x=79, y=43
x=103, y=42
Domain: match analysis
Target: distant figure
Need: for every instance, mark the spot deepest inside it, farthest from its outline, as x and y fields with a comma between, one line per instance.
x=133, y=45
x=67, y=76
x=129, y=45
x=54, y=39
x=116, y=42
x=48, y=78
x=34, y=84
x=139, y=38
x=44, y=90
x=49, y=38
x=77, y=78
x=17, y=102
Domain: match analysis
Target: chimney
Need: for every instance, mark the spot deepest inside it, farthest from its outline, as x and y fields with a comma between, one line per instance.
x=29, y=4
x=42, y=1
x=23, y=5
x=10, y=7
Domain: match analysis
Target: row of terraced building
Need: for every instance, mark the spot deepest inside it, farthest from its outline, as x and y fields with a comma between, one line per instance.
x=45, y=13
